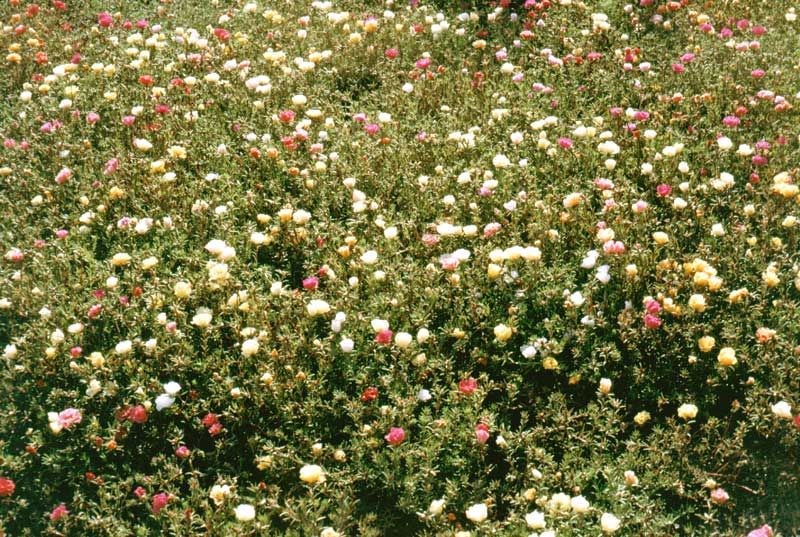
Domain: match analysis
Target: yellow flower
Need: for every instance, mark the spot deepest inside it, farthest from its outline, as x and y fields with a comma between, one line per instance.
x=502, y=332
x=642, y=417
x=687, y=411
x=727, y=357
x=706, y=343
x=697, y=303
x=121, y=259
x=660, y=237
x=311, y=473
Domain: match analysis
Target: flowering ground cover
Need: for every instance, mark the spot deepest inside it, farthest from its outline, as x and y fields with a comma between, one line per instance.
x=343, y=267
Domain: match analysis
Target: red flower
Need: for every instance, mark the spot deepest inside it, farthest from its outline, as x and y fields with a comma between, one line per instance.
x=370, y=394
x=6, y=487
x=797, y=421
x=468, y=386
x=215, y=429
x=210, y=419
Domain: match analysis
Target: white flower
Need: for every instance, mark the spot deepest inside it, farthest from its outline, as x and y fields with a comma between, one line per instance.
x=369, y=257
x=403, y=340
x=164, y=401
x=94, y=388
x=501, y=161
x=436, y=507
x=318, y=307
x=609, y=523
x=172, y=388
x=244, y=512
x=477, y=513
x=535, y=520
x=579, y=504
x=782, y=410
x=250, y=347
x=346, y=345
x=123, y=347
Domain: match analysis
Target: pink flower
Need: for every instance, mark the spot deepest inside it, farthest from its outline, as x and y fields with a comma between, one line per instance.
x=760, y=160
x=286, y=116
x=92, y=118
x=641, y=115
x=138, y=414
x=62, y=233
x=310, y=283
x=652, y=321
x=391, y=53
x=731, y=121
x=182, y=452
x=757, y=73
x=719, y=495
x=58, y=512
x=763, y=531
x=69, y=417
x=429, y=239
x=75, y=351
x=678, y=68
x=687, y=58
x=395, y=436
x=95, y=310
x=491, y=228
x=468, y=386
x=652, y=306
x=159, y=502
x=664, y=190
x=422, y=63
x=603, y=184
x=63, y=176
x=384, y=337
x=372, y=128
x=128, y=120
x=139, y=492
x=111, y=166
x=565, y=143
x=482, y=433
x=215, y=429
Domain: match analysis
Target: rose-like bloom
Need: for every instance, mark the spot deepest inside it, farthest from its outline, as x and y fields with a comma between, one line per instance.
x=182, y=452
x=172, y=388
x=482, y=433
x=727, y=357
x=609, y=523
x=69, y=417
x=502, y=332
x=244, y=512
x=763, y=531
x=370, y=394
x=719, y=495
x=468, y=386
x=384, y=337
x=7, y=487
x=318, y=307
x=652, y=321
x=159, y=502
x=202, y=318
x=164, y=401
x=783, y=410
x=436, y=507
x=535, y=520
x=687, y=411
x=310, y=283
x=477, y=513
x=395, y=436
x=403, y=340
x=182, y=289
x=250, y=347
x=58, y=512
x=579, y=504
x=311, y=473
x=706, y=343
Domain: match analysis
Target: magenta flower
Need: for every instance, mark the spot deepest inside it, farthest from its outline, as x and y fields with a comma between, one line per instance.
x=731, y=121
x=310, y=283
x=395, y=436
x=58, y=512
x=159, y=502
x=652, y=321
x=384, y=337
